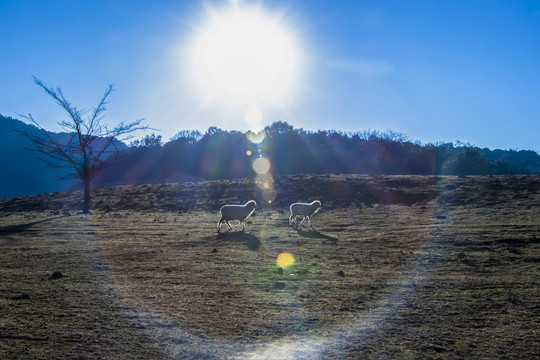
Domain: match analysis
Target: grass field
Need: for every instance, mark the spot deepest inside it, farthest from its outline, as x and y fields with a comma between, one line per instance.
x=401, y=267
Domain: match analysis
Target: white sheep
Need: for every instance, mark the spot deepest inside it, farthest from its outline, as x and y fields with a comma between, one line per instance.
x=305, y=210
x=236, y=212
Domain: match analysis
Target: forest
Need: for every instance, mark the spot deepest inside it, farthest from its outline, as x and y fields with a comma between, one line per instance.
x=221, y=154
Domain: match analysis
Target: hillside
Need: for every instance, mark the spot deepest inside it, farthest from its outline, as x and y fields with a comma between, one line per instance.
x=333, y=190
x=395, y=267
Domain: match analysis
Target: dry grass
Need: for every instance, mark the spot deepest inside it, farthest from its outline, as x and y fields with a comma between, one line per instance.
x=396, y=267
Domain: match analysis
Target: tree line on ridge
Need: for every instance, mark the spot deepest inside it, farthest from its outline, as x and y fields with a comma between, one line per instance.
x=220, y=154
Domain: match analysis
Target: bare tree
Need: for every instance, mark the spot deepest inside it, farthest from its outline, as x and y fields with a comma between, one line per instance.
x=90, y=145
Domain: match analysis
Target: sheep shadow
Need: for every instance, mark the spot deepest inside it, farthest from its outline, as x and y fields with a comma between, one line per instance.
x=314, y=234
x=252, y=242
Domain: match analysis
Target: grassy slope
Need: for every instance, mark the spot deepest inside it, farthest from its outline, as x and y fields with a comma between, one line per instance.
x=398, y=267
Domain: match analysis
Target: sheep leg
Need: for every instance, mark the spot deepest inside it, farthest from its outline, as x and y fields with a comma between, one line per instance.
x=219, y=223
x=303, y=218
x=228, y=224
x=309, y=222
x=292, y=219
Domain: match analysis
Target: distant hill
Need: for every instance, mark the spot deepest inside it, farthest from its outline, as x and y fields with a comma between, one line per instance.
x=22, y=173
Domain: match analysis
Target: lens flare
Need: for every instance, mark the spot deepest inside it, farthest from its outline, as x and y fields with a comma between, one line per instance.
x=269, y=195
x=248, y=153
x=261, y=165
x=284, y=260
x=256, y=138
x=264, y=181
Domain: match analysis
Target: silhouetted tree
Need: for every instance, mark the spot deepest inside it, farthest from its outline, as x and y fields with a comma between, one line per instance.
x=191, y=135
x=467, y=162
x=89, y=147
x=503, y=167
x=148, y=141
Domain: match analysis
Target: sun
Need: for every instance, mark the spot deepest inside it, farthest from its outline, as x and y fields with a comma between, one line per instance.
x=244, y=56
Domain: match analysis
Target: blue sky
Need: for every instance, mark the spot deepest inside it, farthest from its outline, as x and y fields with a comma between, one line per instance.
x=433, y=70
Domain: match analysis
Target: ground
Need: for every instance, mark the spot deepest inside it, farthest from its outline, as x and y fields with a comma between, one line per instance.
x=394, y=267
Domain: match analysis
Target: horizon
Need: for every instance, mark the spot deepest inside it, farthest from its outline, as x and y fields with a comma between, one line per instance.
x=459, y=72
x=378, y=133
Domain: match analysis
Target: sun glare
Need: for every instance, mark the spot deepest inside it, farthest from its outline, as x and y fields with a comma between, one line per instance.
x=244, y=56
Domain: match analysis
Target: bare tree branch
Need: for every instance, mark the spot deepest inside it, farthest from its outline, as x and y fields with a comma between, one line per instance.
x=89, y=147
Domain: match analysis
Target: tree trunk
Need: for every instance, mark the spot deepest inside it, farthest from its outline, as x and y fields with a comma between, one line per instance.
x=86, y=203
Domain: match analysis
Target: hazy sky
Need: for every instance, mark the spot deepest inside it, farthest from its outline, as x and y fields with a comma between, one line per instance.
x=434, y=70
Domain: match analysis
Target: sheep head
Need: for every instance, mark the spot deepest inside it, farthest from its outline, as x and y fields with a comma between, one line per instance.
x=251, y=204
x=316, y=205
